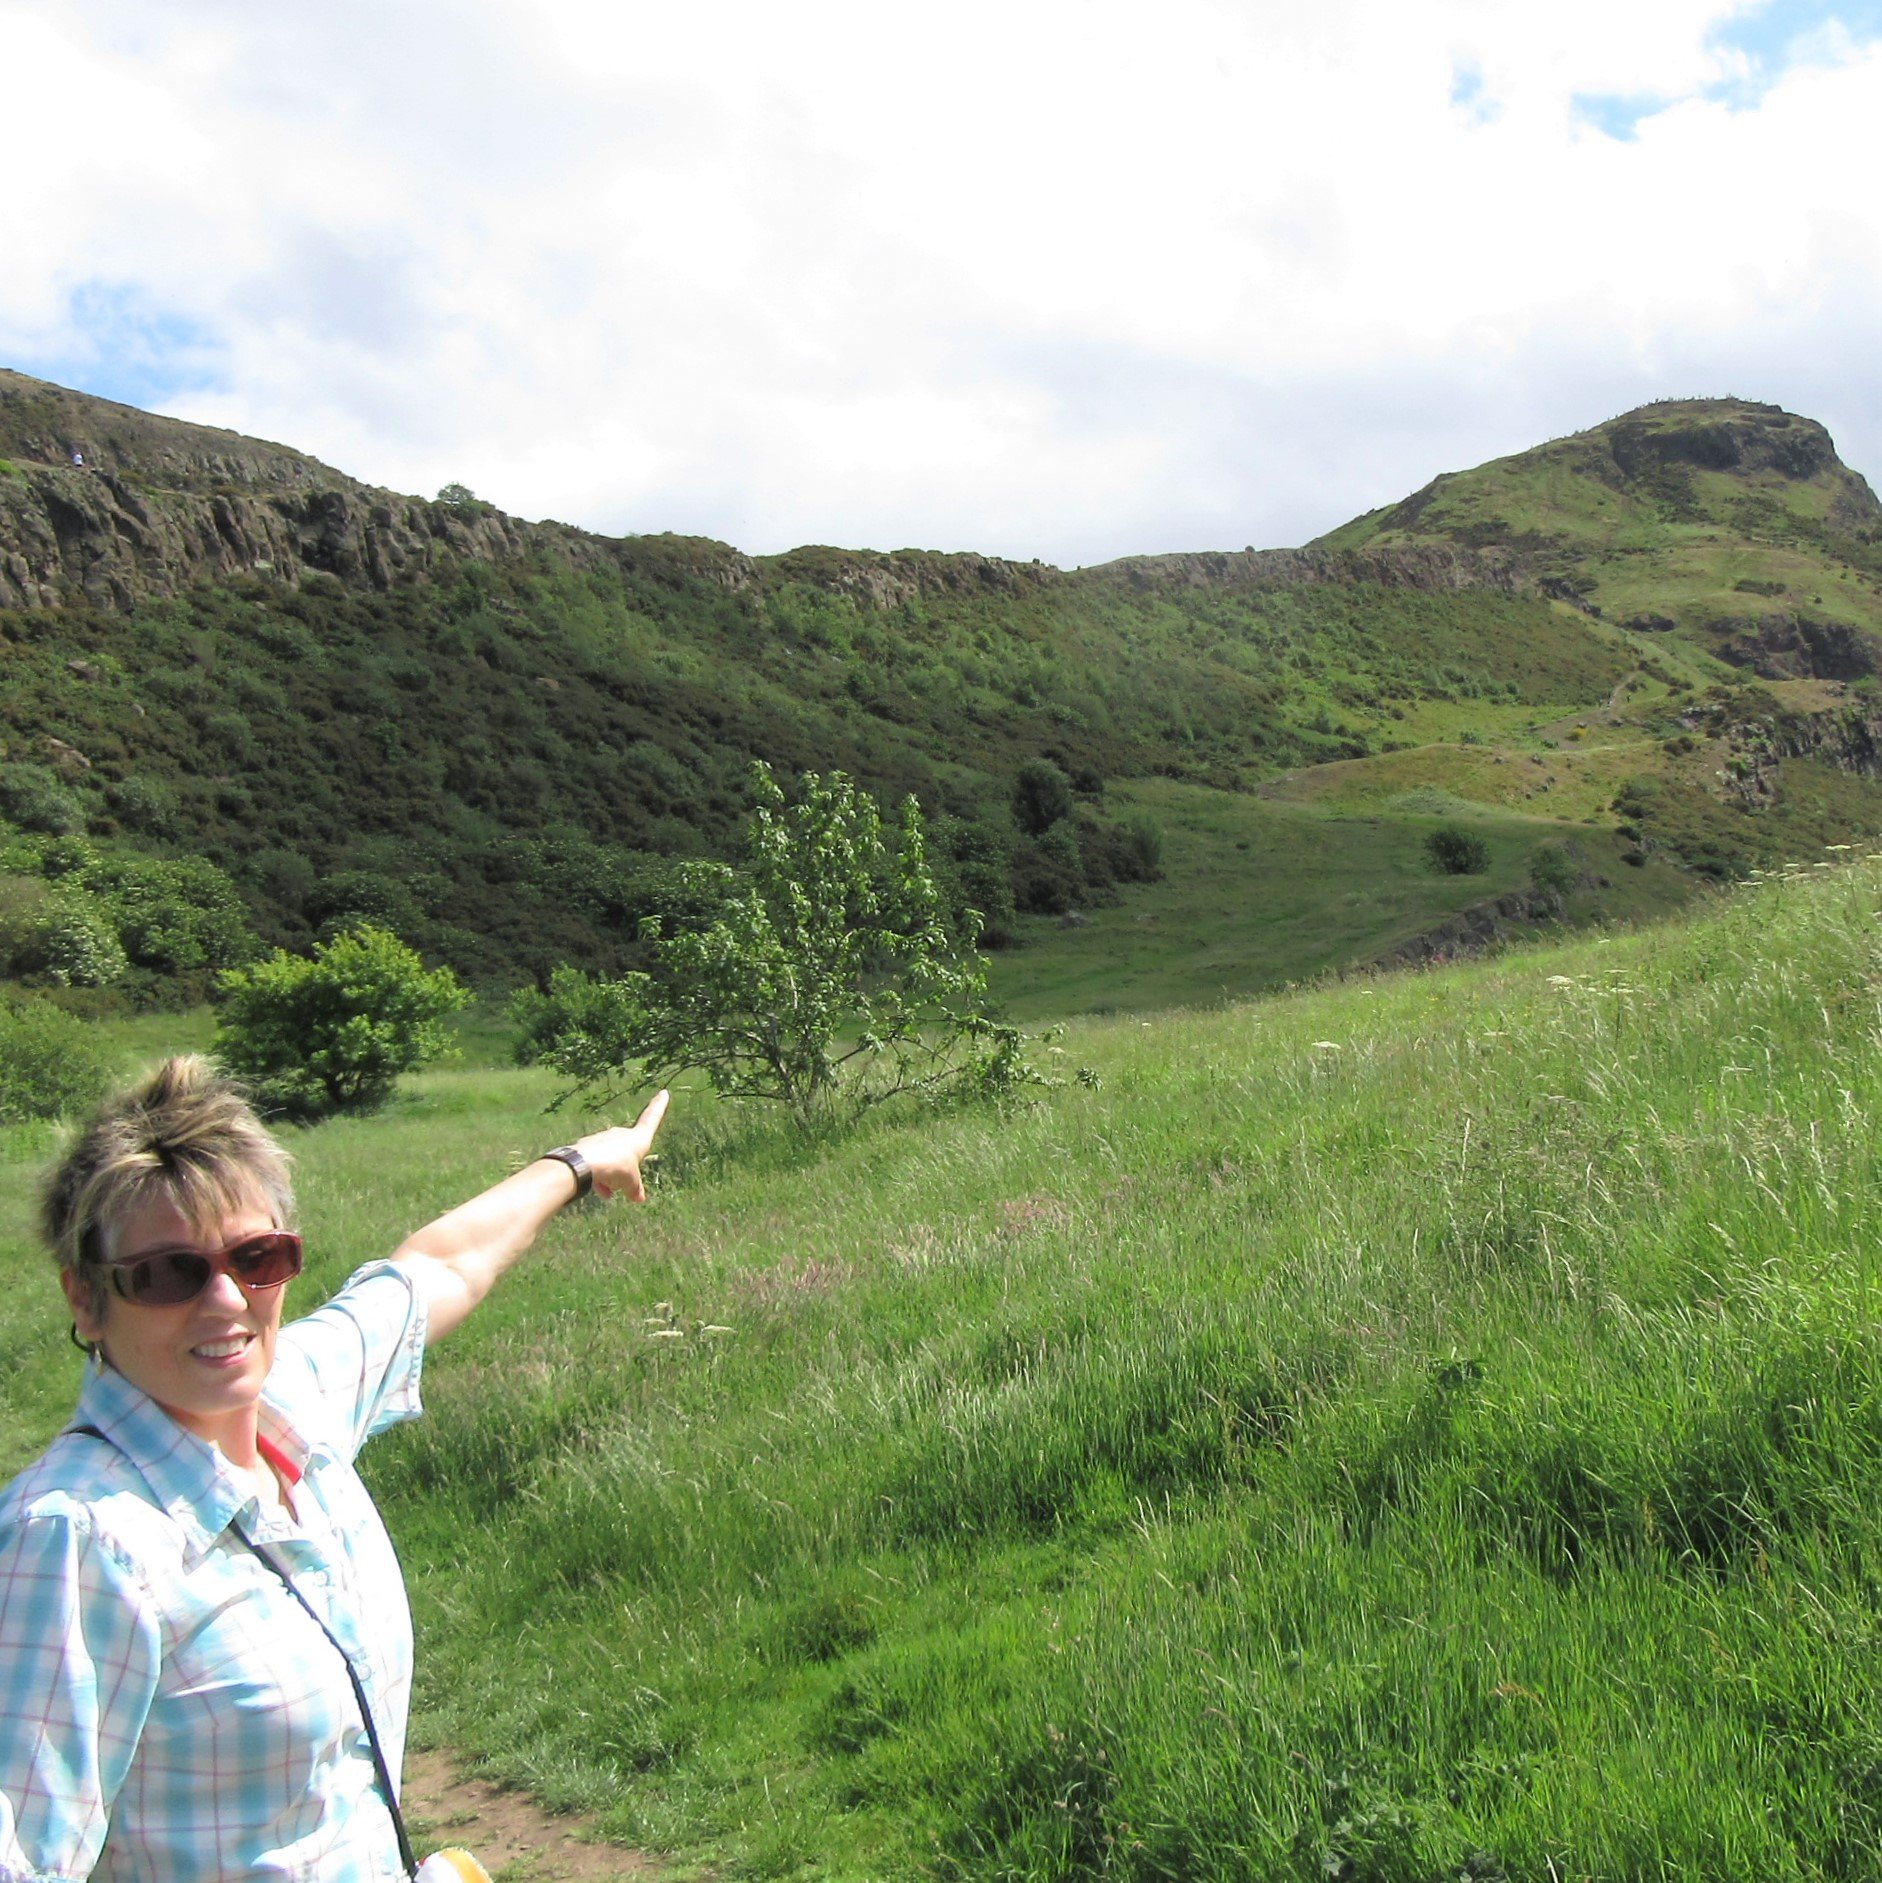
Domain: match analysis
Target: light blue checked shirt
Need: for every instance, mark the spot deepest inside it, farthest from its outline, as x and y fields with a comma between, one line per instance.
x=168, y=1713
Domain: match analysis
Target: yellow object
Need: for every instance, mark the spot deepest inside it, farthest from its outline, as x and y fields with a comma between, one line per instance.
x=452, y=1866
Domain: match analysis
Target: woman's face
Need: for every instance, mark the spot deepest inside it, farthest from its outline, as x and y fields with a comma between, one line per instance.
x=203, y=1361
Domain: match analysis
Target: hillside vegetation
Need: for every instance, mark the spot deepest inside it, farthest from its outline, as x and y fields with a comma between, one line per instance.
x=1654, y=642
x=1422, y=1428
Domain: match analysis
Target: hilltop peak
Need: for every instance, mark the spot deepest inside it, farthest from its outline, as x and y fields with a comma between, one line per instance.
x=44, y=424
x=1730, y=522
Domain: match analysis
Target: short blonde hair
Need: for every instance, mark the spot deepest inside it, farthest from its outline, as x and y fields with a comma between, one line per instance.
x=186, y=1133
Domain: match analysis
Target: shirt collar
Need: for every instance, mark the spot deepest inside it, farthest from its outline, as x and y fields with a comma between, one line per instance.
x=185, y=1476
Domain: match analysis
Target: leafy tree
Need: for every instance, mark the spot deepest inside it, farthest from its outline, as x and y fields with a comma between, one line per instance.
x=333, y=1032
x=51, y=1064
x=1457, y=852
x=833, y=975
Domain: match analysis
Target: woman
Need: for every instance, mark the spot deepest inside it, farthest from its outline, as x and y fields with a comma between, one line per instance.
x=205, y=1648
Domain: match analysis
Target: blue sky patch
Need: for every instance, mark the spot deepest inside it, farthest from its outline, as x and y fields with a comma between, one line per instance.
x=117, y=344
x=1616, y=115
x=1468, y=94
x=1772, y=38
x=1768, y=34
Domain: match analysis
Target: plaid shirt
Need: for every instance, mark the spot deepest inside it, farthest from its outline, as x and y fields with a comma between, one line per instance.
x=168, y=1713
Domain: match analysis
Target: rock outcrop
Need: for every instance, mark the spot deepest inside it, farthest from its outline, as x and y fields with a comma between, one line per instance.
x=106, y=505
x=1436, y=568
x=1782, y=646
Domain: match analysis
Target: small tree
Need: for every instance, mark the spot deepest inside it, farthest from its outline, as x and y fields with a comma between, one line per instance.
x=333, y=1032
x=834, y=975
x=1457, y=852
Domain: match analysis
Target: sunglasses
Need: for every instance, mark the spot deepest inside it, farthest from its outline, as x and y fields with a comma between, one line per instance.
x=169, y=1277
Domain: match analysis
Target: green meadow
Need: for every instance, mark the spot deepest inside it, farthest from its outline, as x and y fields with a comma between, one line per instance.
x=1429, y=1426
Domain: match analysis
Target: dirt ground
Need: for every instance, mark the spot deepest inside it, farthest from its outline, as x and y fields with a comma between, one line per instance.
x=515, y=1840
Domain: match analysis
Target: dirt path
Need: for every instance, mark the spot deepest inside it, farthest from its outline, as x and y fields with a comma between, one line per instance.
x=513, y=1838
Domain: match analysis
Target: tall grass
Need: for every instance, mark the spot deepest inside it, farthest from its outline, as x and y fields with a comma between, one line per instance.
x=1429, y=1428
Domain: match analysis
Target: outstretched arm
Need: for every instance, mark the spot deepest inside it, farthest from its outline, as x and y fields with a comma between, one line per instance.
x=456, y=1260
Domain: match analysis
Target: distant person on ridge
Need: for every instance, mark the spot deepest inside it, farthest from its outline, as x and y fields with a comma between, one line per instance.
x=205, y=1647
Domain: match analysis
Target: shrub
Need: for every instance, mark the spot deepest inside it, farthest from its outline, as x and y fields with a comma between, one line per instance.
x=51, y=1065
x=1554, y=870
x=1042, y=796
x=146, y=804
x=72, y=943
x=174, y=915
x=335, y=1031
x=1457, y=852
x=34, y=799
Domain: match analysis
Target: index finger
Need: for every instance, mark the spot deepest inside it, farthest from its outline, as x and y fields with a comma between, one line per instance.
x=654, y=1111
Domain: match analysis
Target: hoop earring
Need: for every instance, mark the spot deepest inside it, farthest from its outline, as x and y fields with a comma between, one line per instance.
x=89, y=1348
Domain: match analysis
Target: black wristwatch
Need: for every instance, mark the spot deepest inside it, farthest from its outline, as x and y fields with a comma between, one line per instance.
x=584, y=1171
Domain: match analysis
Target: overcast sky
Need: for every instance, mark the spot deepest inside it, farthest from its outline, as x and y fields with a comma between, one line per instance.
x=1056, y=278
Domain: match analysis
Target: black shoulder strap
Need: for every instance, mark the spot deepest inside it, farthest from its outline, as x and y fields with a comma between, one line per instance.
x=386, y=1787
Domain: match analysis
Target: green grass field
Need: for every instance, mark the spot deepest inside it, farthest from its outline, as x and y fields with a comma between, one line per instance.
x=1428, y=1427
x=1324, y=871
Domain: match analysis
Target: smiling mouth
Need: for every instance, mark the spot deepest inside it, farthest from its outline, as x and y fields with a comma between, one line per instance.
x=222, y=1349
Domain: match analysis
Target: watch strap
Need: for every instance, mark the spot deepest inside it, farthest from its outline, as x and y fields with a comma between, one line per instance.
x=584, y=1171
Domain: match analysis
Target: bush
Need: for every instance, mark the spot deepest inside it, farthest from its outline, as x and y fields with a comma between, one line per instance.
x=1042, y=796
x=146, y=804
x=32, y=797
x=174, y=916
x=335, y=1031
x=73, y=943
x=1457, y=852
x=1554, y=870
x=51, y=1065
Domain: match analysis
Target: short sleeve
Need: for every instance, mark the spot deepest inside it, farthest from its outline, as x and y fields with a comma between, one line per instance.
x=351, y=1368
x=80, y=1652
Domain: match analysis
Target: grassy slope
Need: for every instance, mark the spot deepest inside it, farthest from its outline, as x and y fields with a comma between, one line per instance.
x=1676, y=538
x=1427, y=1427
x=1264, y=890
x=436, y=737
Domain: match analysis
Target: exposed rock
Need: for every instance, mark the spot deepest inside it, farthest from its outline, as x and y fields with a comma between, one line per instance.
x=1436, y=568
x=1470, y=931
x=1797, y=647
x=1749, y=437
x=1650, y=624
x=65, y=758
x=888, y=580
x=1563, y=588
x=1849, y=738
x=161, y=505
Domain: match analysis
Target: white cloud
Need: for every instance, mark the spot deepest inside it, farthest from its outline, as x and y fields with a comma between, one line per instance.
x=1053, y=277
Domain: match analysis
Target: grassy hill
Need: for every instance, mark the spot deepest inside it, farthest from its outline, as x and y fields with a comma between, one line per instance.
x=1425, y=1427
x=1731, y=526
x=496, y=736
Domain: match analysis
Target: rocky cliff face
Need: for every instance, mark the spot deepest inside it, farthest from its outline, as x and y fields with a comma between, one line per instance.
x=106, y=505
x=1436, y=568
